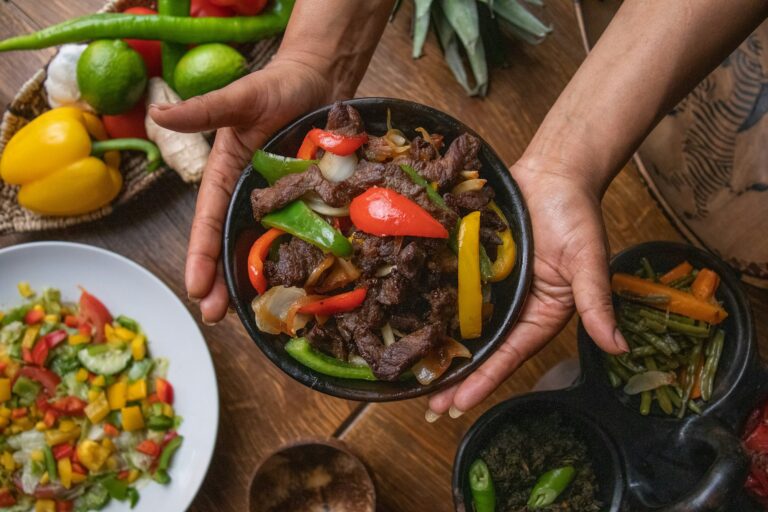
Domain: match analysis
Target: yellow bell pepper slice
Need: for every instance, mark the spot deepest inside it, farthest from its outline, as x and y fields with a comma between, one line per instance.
x=65, y=472
x=116, y=395
x=132, y=418
x=98, y=409
x=137, y=390
x=5, y=390
x=92, y=454
x=505, y=255
x=470, y=287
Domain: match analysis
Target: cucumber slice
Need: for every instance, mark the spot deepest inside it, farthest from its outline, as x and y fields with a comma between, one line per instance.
x=102, y=360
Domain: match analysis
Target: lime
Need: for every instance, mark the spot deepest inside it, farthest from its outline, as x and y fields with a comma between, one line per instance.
x=111, y=76
x=206, y=68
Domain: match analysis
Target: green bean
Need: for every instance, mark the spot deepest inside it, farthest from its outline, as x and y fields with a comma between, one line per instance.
x=657, y=343
x=646, y=350
x=619, y=370
x=664, y=401
x=715, y=349
x=675, y=325
x=645, y=403
x=694, y=407
x=673, y=344
x=682, y=282
x=630, y=365
x=648, y=269
x=690, y=378
x=615, y=379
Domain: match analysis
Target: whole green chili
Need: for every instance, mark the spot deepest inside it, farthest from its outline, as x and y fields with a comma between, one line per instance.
x=175, y=29
x=164, y=461
x=171, y=53
x=50, y=463
x=481, y=485
x=304, y=353
x=549, y=486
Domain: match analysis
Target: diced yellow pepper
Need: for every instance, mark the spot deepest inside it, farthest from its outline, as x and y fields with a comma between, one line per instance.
x=81, y=375
x=8, y=463
x=38, y=307
x=98, y=409
x=24, y=289
x=78, y=339
x=137, y=390
x=65, y=472
x=54, y=437
x=45, y=478
x=4, y=421
x=132, y=418
x=40, y=426
x=99, y=381
x=93, y=394
x=30, y=335
x=116, y=394
x=51, y=319
x=23, y=423
x=133, y=475
x=124, y=334
x=91, y=454
x=37, y=456
x=78, y=478
x=139, y=347
x=112, y=464
x=45, y=506
x=2, y=315
x=168, y=410
x=67, y=425
x=108, y=444
x=5, y=412
x=5, y=389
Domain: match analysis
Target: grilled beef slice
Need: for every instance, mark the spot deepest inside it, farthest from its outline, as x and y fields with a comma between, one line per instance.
x=405, y=352
x=443, y=304
x=295, y=260
x=461, y=155
x=344, y=120
x=470, y=201
x=327, y=338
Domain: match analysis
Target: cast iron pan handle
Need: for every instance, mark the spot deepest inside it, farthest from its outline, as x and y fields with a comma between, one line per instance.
x=724, y=478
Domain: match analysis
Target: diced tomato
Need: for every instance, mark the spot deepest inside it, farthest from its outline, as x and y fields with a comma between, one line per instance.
x=34, y=316
x=153, y=399
x=110, y=430
x=71, y=321
x=6, y=498
x=205, y=9
x=76, y=466
x=123, y=474
x=95, y=313
x=64, y=505
x=62, y=451
x=164, y=390
x=69, y=406
x=148, y=447
x=19, y=412
x=49, y=418
x=148, y=49
x=85, y=329
x=26, y=355
x=45, y=344
x=47, y=378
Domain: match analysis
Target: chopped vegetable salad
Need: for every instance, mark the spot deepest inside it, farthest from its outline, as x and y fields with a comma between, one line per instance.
x=86, y=414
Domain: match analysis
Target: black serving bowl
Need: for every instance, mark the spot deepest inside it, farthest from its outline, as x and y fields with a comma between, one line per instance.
x=240, y=231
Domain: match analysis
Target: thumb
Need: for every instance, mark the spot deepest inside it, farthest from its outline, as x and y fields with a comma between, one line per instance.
x=211, y=111
x=592, y=295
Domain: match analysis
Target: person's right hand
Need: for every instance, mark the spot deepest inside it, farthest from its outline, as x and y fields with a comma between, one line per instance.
x=246, y=113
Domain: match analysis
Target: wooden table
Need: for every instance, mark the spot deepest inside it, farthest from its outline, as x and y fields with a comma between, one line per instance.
x=262, y=408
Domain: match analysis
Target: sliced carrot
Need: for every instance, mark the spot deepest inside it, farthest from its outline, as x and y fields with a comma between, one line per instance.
x=696, y=391
x=679, y=302
x=679, y=271
x=705, y=284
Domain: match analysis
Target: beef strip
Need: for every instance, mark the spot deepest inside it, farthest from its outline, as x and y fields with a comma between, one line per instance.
x=489, y=219
x=405, y=352
x=394, y=289
x=371, y=252
x=285, y=190
x=422, y=150
x=377, y=149
x=405, y=322
x=344, y=120
x=410, y=260
x=461, y=155
x=473, y=200
x=327, y=338
x=443, y=304
x=295, y=260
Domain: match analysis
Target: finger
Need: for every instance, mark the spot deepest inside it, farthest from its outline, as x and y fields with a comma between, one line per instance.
x=217, y=109
x=214, y=306
x=219, y=179
x=592, y=295
x=440, y=402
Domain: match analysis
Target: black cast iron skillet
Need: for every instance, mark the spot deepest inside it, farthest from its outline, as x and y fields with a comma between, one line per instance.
x=653, y=462
x=240, y=231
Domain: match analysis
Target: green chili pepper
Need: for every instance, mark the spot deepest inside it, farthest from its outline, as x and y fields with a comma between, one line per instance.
x=481, y=485
x=50, y=463
x=298, y=220
x=159, y=423
x=133, y=496
x=128, y=323
x=550, y=485
x=303, y=352
x=486, y=267
x=116, y=488
x=273, y=167
x=161, y=477
x=165, y=457
x=100, y=147
x=172, y=53
x=175, y=29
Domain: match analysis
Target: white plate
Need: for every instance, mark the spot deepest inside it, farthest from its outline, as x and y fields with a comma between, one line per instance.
x=129, y=289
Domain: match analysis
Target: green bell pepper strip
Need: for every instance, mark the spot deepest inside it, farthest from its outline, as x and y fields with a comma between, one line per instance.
x=174, y=29
x=164, y=461
x=550, y=485
x=50, y=463
x=273, y=167
x=133, y=496
x=171, y=53
x=481, y=485
x=419, y=180
x=159, y=423
x=303, y=352
x=162, y=477
x=300, y=221
x=116, y=488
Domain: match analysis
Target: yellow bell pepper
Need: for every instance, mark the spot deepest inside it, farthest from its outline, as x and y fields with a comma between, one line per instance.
x=132, y=418
x=54, y=437
x=56, y=164
x=137, y=390
x=5, y=389
x=470, y=288
x=45, y=506
x=116, y=395
x=139, y=347
x=98, y=409
x=92, y=454
x=65, y=472
x=505, y=255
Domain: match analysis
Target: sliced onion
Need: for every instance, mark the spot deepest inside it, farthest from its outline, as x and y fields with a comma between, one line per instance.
x=468, y=186
x=425, y=135
x=343, y=273
x=337, y=168
x=357, y=360
x=271, y=309
x=293, y=321
x=397, y=333
x=387, y=335
x=436, y=363
x=323, y=208
x=470, y=175
x=385, y=270
x=647, y=381
x=319, y=270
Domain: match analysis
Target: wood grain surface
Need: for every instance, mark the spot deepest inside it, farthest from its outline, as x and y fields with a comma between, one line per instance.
x=262, y=408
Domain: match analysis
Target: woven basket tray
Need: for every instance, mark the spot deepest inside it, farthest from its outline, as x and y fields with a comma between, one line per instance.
x=31, y=101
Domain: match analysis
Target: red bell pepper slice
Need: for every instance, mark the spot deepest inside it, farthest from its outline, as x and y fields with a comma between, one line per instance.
x=45, y=344
x=71, y=321
x=65, y=505
x=335, y=143
x=148, y=447
x=164, y=390
x=34, y=316
x=308, y=150
x=384, y=212
x=47, y=378
x=92, y=311
x=6, y=498
x=256, y=257
x=242, y=7
x=337, y=304
x=110, y=430
x=62, y=451
x=69, y=406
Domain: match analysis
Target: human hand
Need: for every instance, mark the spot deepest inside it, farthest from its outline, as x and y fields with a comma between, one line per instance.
x=570, y=271
x=245, y=113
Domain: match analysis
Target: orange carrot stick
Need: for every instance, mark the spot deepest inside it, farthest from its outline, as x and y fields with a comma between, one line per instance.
x=679, y=271
x=679, y=302
x=705, y=284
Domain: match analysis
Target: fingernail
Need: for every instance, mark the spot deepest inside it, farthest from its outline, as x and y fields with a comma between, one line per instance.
x=206, y=322
x=193, y=299
x=431, y=416
x=619, y=340
x=161, y=106
x=454, y=412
